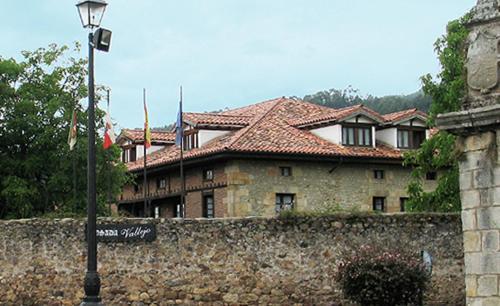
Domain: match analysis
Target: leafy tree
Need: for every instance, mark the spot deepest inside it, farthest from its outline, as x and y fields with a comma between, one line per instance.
x=438, y=153
x=37, y=170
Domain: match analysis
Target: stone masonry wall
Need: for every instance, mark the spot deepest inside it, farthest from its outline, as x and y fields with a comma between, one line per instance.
x=480, y=195
x=220, y=261
x=253, y=185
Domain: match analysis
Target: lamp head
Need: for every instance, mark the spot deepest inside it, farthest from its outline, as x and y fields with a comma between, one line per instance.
x=91, y=12
x=102, y=39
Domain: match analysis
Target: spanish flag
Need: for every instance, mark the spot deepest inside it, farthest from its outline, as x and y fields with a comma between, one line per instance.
x=147, y=131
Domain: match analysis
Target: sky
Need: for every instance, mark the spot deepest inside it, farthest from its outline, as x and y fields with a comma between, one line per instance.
x=231, y=53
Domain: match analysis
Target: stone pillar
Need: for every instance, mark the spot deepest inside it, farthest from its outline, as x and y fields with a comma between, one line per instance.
x=478, y=128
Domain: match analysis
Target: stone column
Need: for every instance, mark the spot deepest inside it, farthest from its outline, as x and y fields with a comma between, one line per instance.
x=478, y=128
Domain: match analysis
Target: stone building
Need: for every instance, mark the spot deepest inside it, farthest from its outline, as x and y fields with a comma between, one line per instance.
x=281, y=154
x=478, y=128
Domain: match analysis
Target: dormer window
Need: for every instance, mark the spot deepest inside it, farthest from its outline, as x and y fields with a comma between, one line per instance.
x=190, y=140
x=129, y=154
x=357, y=136
x=409, y=138
x=133, y=154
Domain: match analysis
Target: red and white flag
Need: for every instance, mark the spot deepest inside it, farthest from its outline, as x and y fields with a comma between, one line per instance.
x=109, y=134
x=72, y=131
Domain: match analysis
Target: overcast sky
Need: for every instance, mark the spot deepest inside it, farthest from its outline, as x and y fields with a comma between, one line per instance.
x=230, y=53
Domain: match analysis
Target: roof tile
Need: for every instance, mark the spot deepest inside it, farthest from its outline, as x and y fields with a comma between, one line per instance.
x=137, y=135
x=272, y=127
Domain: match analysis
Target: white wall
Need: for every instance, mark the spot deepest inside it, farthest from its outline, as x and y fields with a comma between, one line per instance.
x=388, y=136
x=140, y=150
x=205, y=136
x=331, y=133
x=416, y=122
x=374, y=143
x=361, y=119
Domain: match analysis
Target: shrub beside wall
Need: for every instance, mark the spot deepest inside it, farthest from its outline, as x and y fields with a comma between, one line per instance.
x=381, y=277
x=230, y=261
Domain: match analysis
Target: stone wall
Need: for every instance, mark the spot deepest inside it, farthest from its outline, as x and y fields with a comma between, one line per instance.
x=253, y=185
x=248, y=187
x=480, y=195
x=219, y=261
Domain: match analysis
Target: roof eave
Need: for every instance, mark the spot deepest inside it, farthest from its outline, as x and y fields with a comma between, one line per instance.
x=401, y=120
x=276, y=156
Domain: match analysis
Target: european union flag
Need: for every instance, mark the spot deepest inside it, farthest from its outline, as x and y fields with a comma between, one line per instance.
x=179, y=133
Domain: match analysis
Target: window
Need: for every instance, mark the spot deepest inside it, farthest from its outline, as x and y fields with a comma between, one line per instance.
x=356, y=136
x=378, y=174
x=178, y=211
x=190, y=140
x=208, y=174
x=125, y=156
x=286, y=171
x=402, y=203
x=379, y=204
x=410, y=138
x=431, y=176
x=161, y=183
x=284, y=201
x=208, y=206
x=418, y=138
x=403, y=139
x=133, y=154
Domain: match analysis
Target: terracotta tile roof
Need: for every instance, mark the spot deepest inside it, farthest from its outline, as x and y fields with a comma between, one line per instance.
x=269, y=130
x=137, y=135
x=216, y=119
x=401, y=115
x=328, y=115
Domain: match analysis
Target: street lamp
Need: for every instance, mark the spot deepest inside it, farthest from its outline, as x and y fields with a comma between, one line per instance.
x=91, y=12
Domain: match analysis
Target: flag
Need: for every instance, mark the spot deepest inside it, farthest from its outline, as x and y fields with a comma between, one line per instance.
x=109, y=134
x=72, y=131
x=179, y=133
x=147, y=131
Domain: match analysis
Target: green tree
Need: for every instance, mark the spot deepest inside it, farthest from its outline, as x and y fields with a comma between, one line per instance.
x=37, y=170
x=438, y=153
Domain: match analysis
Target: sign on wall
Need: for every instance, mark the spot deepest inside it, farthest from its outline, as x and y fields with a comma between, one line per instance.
x=125, y=232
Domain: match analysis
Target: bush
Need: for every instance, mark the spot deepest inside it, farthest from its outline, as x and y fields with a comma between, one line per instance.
x=374, y=277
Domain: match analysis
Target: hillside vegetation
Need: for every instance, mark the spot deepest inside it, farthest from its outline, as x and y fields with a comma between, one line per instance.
x=338, y=98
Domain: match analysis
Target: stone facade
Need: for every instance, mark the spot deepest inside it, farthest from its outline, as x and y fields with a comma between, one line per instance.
x=253, y=185
x=223, y=261
x=478, y=128
x=248, y=187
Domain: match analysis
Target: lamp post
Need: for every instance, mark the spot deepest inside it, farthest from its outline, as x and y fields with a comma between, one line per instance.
x=91, y=12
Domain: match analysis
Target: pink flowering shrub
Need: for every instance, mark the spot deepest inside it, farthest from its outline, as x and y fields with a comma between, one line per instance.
x=374, y=277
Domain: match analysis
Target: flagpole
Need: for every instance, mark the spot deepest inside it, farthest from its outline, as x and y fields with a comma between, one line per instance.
x=109, y=164
x=145, y=186
x=183, y=182
x=75, y=208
